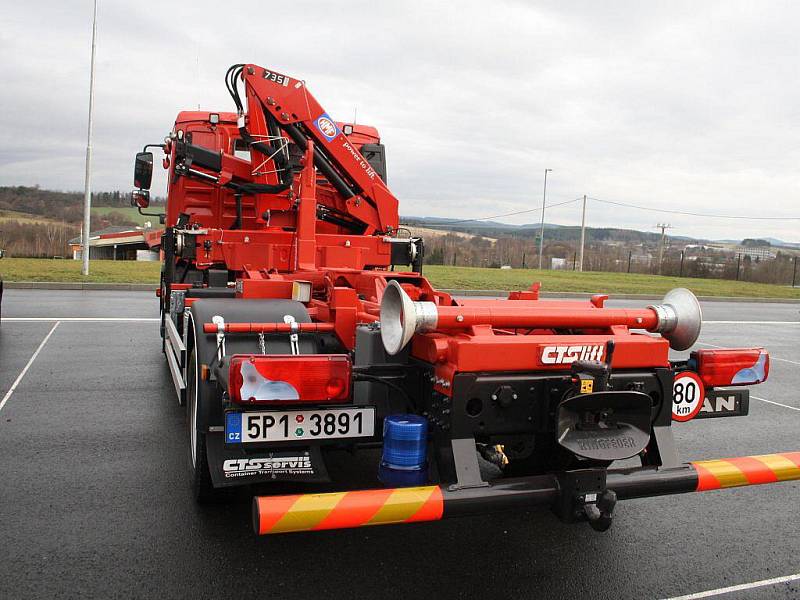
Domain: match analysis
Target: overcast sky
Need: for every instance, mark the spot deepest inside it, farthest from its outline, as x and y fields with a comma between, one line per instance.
x=691, y=106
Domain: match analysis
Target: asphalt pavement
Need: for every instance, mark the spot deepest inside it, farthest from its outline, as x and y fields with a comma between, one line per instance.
x=94, y=497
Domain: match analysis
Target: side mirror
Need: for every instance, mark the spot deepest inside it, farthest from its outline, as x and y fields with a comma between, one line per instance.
x=140, y=198
x=143, y=170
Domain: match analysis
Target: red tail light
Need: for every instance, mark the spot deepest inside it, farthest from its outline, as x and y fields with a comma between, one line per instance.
x=732, y=366
x=286, y=378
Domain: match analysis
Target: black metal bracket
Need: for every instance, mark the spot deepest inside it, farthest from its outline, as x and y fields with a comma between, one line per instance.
x=664, y=447
x=467, y=468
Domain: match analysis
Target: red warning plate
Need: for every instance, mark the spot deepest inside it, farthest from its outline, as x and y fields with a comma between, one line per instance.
x=688, y=393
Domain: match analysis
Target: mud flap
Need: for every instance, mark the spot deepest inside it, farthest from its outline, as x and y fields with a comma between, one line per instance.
x=605, y=425
x=230, y=465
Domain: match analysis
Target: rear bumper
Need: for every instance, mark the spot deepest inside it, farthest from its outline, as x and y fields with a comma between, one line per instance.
x=573, y=489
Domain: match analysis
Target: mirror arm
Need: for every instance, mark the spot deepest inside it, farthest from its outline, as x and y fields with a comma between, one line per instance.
x=162, y=217
x=146, y=146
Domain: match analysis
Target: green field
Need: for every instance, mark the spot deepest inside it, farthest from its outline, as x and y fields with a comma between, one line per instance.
x=130, y=213
x=475, y=278
x=106, y=271
x=21, y=217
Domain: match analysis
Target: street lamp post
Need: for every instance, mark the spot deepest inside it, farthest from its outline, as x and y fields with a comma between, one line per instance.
x=541, y=230
x=87, y=195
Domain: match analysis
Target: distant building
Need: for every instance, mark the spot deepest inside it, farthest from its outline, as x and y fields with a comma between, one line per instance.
x=755, y=252
x=558, y=263
x=641, y=258
x=120, y=243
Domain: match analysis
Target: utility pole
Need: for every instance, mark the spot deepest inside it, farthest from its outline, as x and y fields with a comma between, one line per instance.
x=541, y=230
x=663, y=227
x=794, y=273
x=87, y=194
x=583, y=235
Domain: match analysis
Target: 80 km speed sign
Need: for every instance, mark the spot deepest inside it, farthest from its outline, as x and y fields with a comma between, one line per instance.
x=688, y=394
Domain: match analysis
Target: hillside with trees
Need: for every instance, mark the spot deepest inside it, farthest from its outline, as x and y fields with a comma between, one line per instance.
x=39, y=223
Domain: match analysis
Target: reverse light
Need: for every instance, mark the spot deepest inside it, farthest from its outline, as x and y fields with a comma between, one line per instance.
x=731, y=366
x=288, y=378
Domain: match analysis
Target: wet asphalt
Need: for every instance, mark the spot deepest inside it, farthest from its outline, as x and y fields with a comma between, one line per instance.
x=94, y=497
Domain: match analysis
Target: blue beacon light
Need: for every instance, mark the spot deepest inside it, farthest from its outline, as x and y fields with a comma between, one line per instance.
x=405, y=450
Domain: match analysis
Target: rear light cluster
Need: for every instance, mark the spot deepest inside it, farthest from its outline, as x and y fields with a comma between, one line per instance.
x=288, y=378
x=731, y=366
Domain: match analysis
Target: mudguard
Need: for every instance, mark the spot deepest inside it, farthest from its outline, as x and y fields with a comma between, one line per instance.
x=230, y=465
x=237, y=310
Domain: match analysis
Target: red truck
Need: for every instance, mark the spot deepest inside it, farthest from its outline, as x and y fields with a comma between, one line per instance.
x=296, y=321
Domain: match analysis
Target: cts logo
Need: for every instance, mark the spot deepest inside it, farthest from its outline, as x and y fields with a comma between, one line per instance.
x=557, y=355
x=327, y=127
x=284, y=465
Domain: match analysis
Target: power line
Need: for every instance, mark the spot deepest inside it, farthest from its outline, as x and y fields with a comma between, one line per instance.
x=694, y=214
x=519, y=212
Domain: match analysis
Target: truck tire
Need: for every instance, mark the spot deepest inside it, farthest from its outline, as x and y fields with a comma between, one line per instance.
x=196, y=393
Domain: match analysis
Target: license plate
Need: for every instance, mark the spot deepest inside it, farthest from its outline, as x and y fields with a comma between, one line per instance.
x=291, y=425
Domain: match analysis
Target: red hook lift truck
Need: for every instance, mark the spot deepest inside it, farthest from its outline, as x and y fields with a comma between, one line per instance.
x=296, y=321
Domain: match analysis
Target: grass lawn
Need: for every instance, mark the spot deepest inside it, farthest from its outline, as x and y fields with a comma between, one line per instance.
x=594, y=282
x=108, y=271
x=100, y=271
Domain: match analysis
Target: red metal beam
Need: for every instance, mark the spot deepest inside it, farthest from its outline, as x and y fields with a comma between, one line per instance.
x=270, y=327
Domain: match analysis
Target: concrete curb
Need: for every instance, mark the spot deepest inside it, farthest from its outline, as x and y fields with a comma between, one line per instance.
x=70, y=285
x=151, y=287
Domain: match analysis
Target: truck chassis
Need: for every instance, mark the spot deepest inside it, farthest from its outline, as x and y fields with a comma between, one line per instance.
x=289, y=334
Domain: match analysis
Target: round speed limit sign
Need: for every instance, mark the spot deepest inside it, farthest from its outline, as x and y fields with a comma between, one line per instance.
x=688, y=394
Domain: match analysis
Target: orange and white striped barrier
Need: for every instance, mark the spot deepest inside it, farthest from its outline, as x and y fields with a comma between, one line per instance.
x=746, y=470
x=339, y=510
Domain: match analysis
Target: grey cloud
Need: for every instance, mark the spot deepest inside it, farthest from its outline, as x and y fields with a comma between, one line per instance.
x=687, y=105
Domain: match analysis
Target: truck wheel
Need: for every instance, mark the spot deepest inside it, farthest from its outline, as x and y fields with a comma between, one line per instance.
x=202, y=487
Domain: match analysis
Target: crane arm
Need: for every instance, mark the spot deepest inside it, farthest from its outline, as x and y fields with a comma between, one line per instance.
x=278, y=103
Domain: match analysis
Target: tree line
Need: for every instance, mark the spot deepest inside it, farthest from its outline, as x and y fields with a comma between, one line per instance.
x=612, y=256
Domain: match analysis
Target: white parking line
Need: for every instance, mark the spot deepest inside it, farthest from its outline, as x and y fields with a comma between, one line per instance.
x=775, y=403
x=751, y=322
x=27, y=366
x=738, y=588
x=80, y=319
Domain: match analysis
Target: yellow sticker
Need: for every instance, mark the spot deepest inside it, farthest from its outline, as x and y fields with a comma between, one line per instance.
x=587, y=385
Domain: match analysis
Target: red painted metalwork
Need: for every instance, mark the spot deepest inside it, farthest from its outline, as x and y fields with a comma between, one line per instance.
x=270, y=327
x=543, y=316
x=285, y=236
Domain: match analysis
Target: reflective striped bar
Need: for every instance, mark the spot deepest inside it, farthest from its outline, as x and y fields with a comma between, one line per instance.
x=746, y=470
x=338, y=510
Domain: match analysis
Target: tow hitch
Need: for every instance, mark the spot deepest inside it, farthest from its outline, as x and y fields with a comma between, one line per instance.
x=583, y=496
